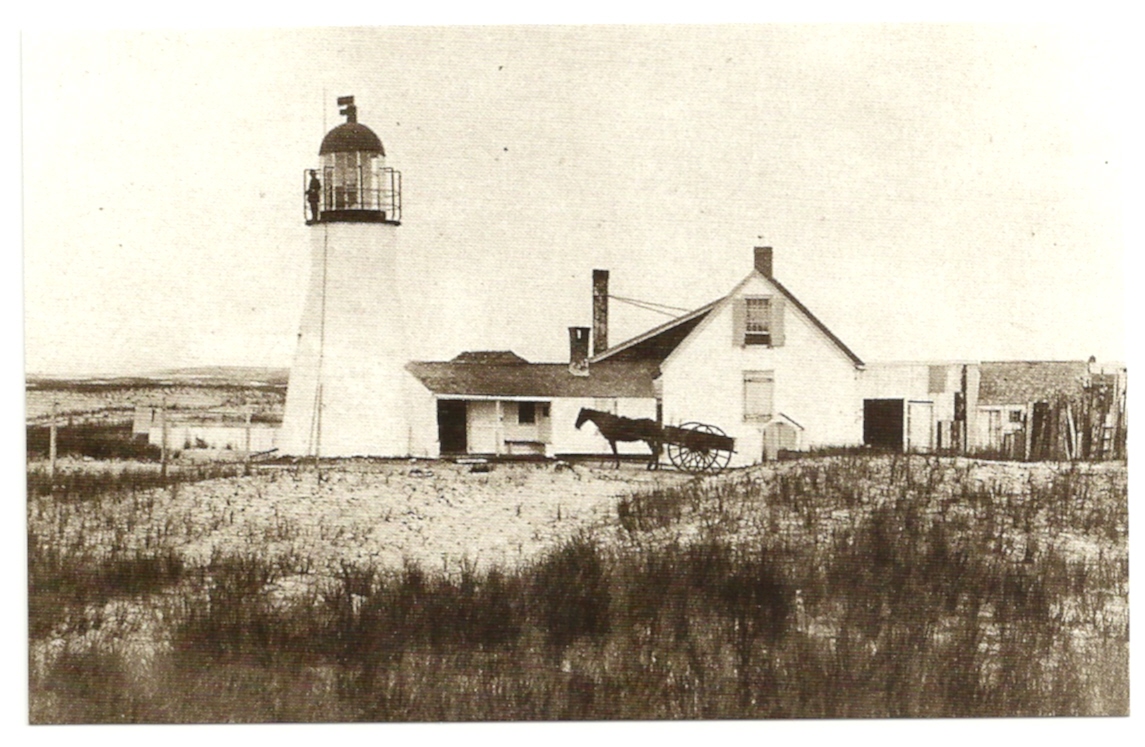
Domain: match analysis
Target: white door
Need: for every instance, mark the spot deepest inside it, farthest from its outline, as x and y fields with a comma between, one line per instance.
x=994, y=425
x=483, y=418
x=920, y=426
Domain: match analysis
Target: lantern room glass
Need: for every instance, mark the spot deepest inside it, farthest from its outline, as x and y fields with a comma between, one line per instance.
x=352, y=181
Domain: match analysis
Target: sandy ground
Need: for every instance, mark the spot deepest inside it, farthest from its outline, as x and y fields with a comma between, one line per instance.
x=438, y=514
x=382, y=514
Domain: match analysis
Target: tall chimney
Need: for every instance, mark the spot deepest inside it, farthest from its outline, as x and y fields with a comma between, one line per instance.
x=578, y=351
x=599, y=311
x=763, y=260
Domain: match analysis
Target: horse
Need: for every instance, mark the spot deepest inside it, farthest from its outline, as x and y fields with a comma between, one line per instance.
x=615, y=428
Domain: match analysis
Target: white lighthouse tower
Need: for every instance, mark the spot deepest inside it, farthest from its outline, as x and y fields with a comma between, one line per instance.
x=348, y=385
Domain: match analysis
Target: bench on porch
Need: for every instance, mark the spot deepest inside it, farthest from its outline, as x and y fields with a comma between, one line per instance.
x=517, y=447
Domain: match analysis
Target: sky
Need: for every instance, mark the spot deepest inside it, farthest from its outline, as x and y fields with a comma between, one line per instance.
x=931, y=192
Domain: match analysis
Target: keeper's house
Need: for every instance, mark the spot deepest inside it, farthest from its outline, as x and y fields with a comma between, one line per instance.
x=756, y=363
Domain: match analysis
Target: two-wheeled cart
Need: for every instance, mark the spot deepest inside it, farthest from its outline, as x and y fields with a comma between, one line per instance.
x=698, y=448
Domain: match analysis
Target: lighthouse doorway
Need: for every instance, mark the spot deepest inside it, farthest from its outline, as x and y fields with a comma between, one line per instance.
x=451, y=424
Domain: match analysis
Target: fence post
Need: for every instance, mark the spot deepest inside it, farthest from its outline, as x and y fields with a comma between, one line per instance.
x=163, y=440
x=1115, y=445
x=1071, y=434
x=246, y=458
x=52, y=449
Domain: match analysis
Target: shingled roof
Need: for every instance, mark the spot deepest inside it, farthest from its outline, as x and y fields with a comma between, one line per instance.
x=657, y=343
x=500, y=357
x=475, y=379
x=1018, y=382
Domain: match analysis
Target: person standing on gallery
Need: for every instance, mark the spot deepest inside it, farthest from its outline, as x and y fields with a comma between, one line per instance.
x=314, y=195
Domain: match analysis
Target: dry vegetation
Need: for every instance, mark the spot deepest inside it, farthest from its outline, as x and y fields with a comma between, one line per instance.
x=109, y=403
x=834, y=587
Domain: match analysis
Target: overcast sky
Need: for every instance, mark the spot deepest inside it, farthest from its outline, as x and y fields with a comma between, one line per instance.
x=931, y=192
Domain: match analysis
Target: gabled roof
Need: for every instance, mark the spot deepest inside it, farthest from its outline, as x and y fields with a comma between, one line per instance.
x=659, y=342
x=1019, y=382
x=815, y=320
x=613, y=379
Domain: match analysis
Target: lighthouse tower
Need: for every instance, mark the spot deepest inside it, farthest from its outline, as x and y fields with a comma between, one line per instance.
x=348, y=385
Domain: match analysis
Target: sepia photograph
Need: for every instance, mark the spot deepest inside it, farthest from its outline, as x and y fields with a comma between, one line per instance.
x=489, y=373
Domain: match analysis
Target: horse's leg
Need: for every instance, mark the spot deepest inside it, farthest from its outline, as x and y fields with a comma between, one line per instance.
x=615, y=454
x=654, y=462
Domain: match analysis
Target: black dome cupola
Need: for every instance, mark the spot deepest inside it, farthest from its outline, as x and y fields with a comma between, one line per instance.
x=354, y=184
x=350, y=137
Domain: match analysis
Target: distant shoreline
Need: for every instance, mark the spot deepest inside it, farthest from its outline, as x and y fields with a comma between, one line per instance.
x=244, y=376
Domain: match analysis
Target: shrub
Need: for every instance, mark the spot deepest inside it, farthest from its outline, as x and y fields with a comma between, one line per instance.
x=92, y=687
x=570, y=593
x=64, y=581
x=94, y=440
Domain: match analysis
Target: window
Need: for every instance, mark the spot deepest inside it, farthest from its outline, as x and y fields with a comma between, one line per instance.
x=526, y=413
x=758, y=395
x=758, y=321
x=757, y=330
x=1015, y=416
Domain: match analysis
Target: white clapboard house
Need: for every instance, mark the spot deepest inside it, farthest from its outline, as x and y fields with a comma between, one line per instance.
x=755, y=363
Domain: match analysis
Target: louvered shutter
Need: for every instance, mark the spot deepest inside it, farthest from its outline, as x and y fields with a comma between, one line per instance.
x=758, y=395
x=937, y=380
x=739, y=321
x=778, y=308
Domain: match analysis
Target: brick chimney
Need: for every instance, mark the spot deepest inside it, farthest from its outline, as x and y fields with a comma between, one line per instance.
x=578, y=351
x=599, y=311
x=763, y=260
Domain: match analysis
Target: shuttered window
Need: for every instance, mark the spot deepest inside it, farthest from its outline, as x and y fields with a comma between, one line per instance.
x=757, y=324
x=758, y=320
x=937, y=382
x=758, y=395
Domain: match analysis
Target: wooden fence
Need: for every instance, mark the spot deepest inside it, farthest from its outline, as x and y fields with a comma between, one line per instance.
x=1092, y=425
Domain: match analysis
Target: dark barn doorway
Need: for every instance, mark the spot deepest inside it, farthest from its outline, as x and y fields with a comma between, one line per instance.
x=451, y=416
x=882, y=423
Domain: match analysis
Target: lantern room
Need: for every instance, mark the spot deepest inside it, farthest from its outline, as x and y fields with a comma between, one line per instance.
x=353, y=184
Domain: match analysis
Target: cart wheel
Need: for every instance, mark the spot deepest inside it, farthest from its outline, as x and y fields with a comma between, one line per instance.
x=698, y=461
x=720, y=458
